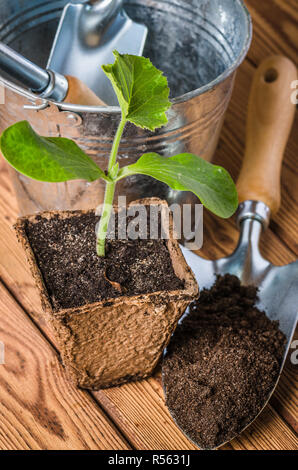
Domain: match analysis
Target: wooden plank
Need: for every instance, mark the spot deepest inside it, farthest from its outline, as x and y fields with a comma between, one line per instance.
x=133, y=420
x=138, y=409
x=220, y=237
x=276, y=32
x=275, y=28
x=40, y=409
x=268, y=432
x=284, y=399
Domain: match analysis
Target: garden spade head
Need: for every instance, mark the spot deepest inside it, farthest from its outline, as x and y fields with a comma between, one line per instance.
x=270, y=118
x=87, y=34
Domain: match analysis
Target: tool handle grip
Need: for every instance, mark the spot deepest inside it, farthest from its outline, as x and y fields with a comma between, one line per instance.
x=20, y=68
x=79, y=93
x=95, y=2
x=106, y=7
x=38, y=79
x=270, y=118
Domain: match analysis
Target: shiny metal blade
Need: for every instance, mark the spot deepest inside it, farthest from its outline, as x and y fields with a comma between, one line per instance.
x=83, y=43
x=278, y=285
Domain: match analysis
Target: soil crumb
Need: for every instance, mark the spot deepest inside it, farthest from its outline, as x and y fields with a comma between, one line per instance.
x=222, y=363
x=65, y=250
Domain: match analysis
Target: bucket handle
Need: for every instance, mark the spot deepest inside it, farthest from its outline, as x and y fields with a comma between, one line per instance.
x=26, y=94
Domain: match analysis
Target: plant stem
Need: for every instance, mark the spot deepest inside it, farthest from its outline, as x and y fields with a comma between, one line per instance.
x=116, y=143
x=109, y=193
x=105, y=218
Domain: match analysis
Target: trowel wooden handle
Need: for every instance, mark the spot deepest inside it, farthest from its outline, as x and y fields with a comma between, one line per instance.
x=79, y=93
x=270, y=118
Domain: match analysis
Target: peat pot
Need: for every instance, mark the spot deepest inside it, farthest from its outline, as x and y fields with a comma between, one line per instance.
x=119, y=339
x=199, y=45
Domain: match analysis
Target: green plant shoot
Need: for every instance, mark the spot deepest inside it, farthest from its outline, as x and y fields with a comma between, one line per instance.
x=143, y=95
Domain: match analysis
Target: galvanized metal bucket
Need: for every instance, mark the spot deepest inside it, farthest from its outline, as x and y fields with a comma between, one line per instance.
x=199, y=45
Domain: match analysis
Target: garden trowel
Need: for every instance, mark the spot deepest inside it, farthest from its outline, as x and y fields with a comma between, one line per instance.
x=270, y=117
x=87, y=34
x=45, y=84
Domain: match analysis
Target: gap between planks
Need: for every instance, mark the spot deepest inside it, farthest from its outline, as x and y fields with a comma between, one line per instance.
x=137, y=409
x=39, y=408
x=275, y=29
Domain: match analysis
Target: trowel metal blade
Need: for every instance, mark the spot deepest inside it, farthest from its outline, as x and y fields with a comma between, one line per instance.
x=80, y=48
x=278, y=290
x=278, y=285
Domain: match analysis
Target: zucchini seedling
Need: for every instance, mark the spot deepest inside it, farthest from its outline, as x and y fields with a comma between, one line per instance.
x=143, y=95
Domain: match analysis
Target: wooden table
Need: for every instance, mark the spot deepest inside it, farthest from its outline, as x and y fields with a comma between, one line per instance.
x=40, y=409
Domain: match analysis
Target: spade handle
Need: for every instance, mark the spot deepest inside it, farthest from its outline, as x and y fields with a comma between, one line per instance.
x=79, y=93
x=271, y=113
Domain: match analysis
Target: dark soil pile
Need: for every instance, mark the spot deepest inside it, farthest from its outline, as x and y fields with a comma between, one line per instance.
x=65, y=250
x=222, y=363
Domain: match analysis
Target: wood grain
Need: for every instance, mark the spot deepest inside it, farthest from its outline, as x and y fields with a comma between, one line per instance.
x=138, y=408
x=267, y=432
x=275, y=32
x=275, y=29
x=79, y=93
x=145, y=427
x=40, y=409
x=270, y=117
x=232, y=147
x=284, y=400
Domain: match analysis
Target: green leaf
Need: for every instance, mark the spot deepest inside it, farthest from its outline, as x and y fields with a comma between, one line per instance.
x=187, y=172
x=142, y=90
x=49, y=159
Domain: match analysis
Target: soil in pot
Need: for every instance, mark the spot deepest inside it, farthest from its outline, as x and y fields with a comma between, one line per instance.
x=112, y=316
x=73, y=273
x=222, y=363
